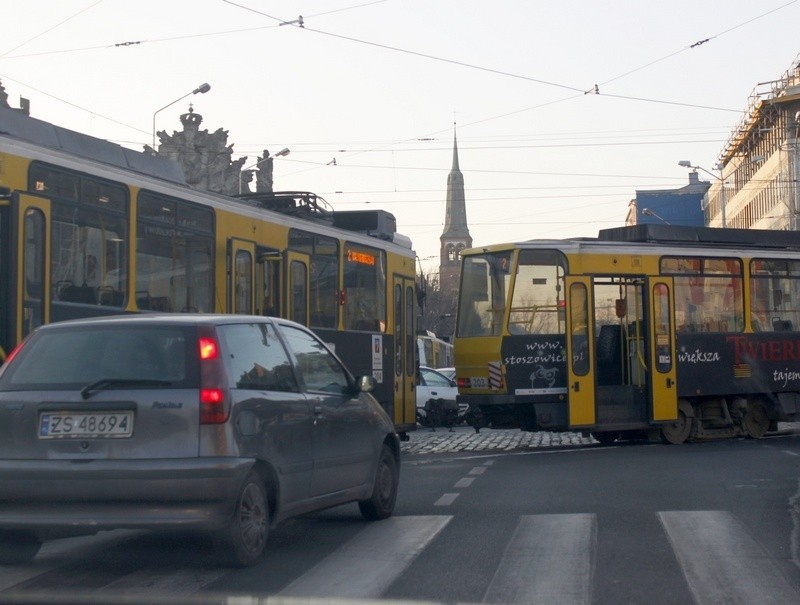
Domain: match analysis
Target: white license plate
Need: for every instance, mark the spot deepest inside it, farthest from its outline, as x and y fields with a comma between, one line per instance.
x=59, y=425
x=478, y=382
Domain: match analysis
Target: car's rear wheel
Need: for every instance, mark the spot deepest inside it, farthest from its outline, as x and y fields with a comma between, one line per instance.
x=384, y=492
x=18, y=546
x=243, y=541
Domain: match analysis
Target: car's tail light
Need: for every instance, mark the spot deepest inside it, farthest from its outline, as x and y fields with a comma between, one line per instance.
x=215, y=404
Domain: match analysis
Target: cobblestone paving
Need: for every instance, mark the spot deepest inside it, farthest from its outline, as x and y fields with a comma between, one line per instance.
x=465, y=439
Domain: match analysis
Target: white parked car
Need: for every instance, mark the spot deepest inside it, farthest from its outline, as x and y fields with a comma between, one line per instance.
x=448, y=372
x=436, y=399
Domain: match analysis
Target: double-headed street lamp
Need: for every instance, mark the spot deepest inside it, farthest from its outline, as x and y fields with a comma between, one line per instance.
x=720, y=178
x=202, y=89
x=283, y=152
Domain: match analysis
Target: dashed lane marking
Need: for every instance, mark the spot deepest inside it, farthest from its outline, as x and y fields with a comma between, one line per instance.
x=446, y=500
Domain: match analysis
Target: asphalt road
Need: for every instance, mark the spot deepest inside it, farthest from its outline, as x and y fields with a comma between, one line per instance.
x=491, y=518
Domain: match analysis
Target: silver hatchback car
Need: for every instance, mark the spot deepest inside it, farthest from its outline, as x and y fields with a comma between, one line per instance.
x=217, y=423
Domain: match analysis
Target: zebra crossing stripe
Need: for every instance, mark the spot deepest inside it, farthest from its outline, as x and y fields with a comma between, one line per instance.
x=366, y=566
x=550, y=559
x=721, y=562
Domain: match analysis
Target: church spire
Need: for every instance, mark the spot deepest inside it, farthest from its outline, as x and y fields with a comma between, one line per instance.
x=455, y=236
x=455, y=151
x=455, y=220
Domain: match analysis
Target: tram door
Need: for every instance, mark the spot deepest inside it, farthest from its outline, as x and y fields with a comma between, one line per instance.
x=609, y=348
x=663, y=390
x=268, y=282
x=30, y=277
x=297, y=286
x=241, y=255
x=405, y=353
x=580, y=352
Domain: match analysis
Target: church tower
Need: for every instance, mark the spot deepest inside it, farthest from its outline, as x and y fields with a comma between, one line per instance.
x=455, y=236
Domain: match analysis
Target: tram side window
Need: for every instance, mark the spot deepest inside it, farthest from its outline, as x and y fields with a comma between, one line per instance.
x=364, y=288
x=708, y=293
x=243, y=283
x=33, y=270
x=775, y=294
x=323, y=278
x=174, y=260
x=88, y=262
x=269, y=283
x=538, y=298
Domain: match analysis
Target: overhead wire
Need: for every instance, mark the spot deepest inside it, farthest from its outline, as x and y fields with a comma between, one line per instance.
x=280, y=21
x=414, y=53
x=49, y=29
x=697, y=43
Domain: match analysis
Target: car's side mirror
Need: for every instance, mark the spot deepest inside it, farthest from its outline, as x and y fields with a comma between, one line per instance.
x=365, y=384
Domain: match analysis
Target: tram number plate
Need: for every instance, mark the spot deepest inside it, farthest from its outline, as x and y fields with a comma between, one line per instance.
x=62, y=425
x=478, y=382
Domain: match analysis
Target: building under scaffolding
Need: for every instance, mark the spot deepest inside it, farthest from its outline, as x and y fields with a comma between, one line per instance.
x=759, y=164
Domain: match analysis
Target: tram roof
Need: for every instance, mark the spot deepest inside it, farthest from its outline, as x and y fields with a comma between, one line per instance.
x=168, y=174
x=668, y=236
x=17, y=125
x=702, y=236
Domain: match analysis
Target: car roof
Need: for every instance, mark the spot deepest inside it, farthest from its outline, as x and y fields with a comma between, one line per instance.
x=173, y=319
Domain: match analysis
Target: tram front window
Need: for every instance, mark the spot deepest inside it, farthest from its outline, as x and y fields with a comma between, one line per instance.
x=482, y=297
x=537, y=304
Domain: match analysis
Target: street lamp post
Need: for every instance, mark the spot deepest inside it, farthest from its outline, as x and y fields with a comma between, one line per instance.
x=720, y=178
x=202, y=89
x=283, y=152
x=649, y=212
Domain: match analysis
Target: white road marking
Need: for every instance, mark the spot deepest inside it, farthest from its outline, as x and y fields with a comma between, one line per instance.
x=478, y=470
x=367, y=565
x=722, y=562
x=465, y=482
x=550, y=559
x=446, y=500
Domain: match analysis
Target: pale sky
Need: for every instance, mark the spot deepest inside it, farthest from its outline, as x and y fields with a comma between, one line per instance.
x=378, y=84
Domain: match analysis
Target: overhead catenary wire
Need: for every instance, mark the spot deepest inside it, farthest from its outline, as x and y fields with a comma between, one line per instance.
x=396, y=49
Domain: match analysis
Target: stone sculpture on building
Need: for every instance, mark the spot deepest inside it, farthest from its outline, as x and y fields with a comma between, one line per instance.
x=206, y=157
x=24, y=104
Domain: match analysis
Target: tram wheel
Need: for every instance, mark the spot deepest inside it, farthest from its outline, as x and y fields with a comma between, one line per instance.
x=677, y=432
x=756, y=419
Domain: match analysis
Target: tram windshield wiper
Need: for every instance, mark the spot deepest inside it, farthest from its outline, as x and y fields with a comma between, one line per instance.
x=113, y=383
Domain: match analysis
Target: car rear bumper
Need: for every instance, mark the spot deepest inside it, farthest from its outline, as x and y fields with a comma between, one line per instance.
x=91, y=495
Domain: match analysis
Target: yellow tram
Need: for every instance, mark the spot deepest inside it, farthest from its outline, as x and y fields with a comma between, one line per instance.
x=88, y=228
x=644, y=331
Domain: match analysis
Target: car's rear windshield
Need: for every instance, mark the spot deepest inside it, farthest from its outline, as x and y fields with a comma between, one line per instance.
x=80, y=356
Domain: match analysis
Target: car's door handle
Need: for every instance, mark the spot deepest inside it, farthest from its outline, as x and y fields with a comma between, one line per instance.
x=433, y=392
